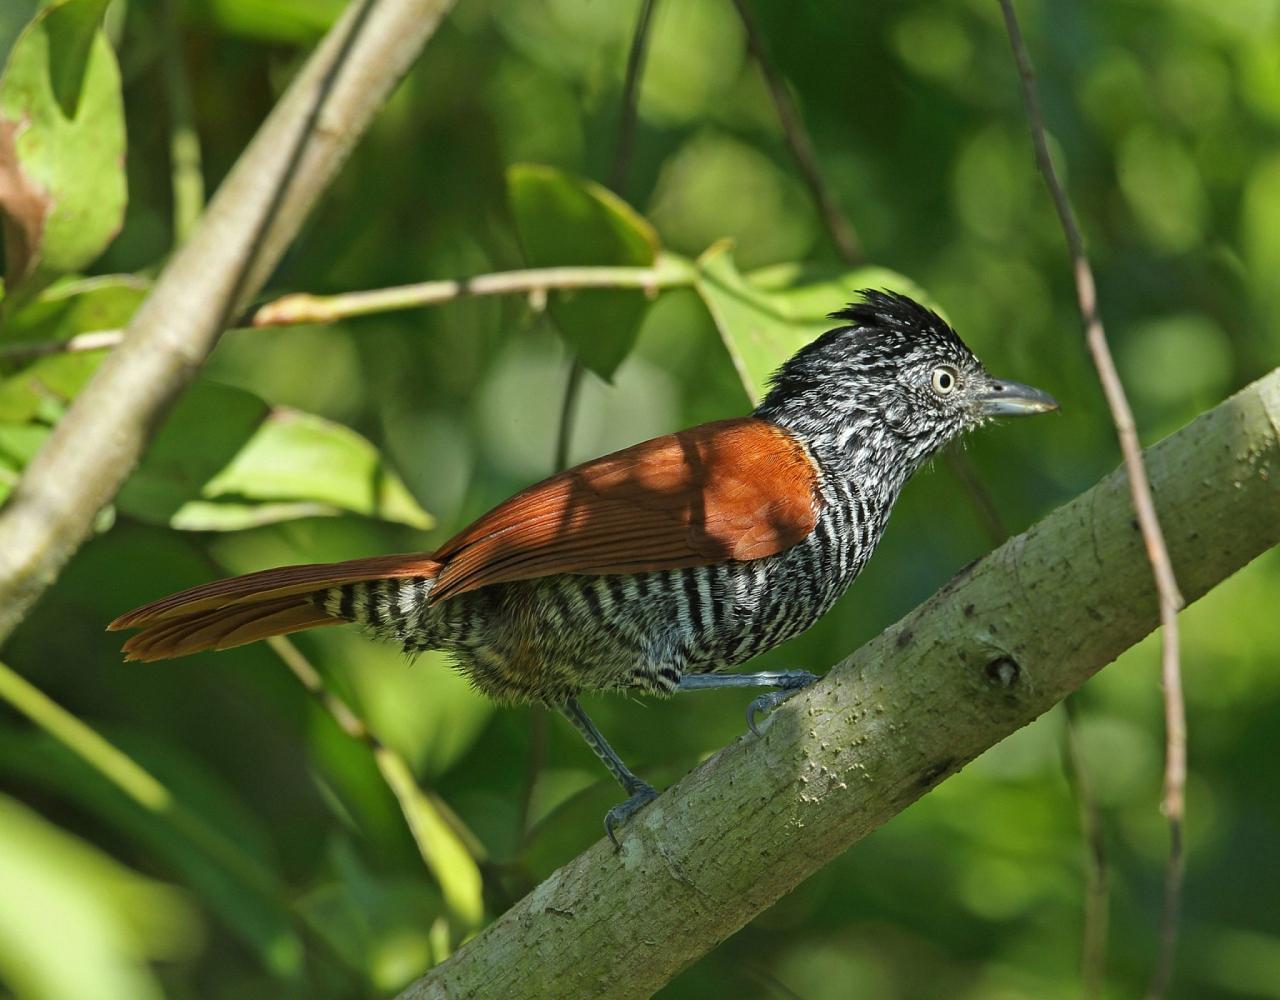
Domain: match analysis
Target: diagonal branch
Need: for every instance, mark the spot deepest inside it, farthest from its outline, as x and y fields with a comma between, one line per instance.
x=995, y=648
x=237, y=243
x=1157, y=553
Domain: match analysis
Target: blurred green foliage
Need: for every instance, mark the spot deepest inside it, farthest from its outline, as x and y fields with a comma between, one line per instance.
x=1164, y=117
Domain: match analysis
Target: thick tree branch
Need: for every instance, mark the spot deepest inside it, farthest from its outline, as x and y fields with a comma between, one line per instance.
x=995, y=648
x=240, y=239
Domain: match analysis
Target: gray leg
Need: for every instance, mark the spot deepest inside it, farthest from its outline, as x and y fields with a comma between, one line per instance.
x=641, y=792
x=788, y=682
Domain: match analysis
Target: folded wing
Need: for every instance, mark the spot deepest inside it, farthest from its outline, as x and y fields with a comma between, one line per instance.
x=731, y=490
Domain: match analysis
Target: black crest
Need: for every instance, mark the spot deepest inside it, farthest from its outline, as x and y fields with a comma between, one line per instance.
x=893, y=311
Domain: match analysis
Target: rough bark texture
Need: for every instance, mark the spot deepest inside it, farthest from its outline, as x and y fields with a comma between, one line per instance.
x=256, y=213
x=999, y=645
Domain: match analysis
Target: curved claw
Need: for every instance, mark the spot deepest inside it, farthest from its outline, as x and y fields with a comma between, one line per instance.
x=623, y=811
x=788, y=685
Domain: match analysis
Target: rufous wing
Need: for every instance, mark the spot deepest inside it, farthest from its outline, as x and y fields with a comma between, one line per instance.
x=732, y=490
x=737, y=489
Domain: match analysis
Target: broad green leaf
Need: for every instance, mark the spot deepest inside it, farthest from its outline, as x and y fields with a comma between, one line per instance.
x=454, y=868
x=76, y=923
x=226, y=461
x=379, y=924
x=564, y=220
x=766, y=318
x=264, y=924
x=291, y=22
x=62, y=147
x=67, y=308
x=430, y=717
x=18, y=444
x=297, y=456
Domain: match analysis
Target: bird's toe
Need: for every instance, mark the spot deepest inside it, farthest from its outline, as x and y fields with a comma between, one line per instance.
x=623, y=811
x=788, y=684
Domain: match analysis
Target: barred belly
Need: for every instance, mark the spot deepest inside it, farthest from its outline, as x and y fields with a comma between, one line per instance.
x=551, y=638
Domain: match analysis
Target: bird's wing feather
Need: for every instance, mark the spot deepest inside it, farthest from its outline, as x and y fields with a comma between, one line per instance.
x=732, y=490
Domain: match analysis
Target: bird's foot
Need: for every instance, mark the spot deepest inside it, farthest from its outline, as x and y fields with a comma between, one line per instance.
x=641, y=796
x=788, y=683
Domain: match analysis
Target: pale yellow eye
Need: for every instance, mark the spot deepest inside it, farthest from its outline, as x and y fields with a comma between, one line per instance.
x=944, y=380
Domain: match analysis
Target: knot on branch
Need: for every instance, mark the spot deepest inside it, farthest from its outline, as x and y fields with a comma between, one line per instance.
x=1003, y=672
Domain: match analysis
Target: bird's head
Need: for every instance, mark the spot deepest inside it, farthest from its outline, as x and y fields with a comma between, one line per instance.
x=895, y=377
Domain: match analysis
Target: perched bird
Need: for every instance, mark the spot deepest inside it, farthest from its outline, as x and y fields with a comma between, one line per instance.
x=656, y=567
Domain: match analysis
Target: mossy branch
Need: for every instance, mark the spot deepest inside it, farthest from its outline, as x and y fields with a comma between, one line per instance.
x=998, y=646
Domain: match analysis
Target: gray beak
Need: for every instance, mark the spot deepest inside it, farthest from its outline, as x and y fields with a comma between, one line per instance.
x=1013, y=399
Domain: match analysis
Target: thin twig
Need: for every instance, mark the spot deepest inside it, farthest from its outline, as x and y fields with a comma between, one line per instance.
x=1175, y=774
x=984, y=504
x=142, y=788
x=539, y=730
x=843, y=236
x=389, y=761
x=568, y=412
x=184, y=141
x=631, y=99
x=838, y=226
x=300, y=308
x=1093, y=952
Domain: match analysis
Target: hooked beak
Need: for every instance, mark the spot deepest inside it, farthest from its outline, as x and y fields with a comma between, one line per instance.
x=1013, y=399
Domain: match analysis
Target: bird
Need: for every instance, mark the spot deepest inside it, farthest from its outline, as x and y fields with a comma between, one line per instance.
x=656, y=568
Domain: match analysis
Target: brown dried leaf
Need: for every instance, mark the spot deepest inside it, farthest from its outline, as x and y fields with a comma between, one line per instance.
x=24, y=206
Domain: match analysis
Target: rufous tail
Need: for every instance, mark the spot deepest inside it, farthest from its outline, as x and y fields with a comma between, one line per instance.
x=243, y=609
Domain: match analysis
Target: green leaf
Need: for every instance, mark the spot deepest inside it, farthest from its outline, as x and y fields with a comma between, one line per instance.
x=68, y=308
x=64, y=897
x=454, y=868
x=379, y=924
x=290, y=22
x=563, y=221
x=765, y=318
x=261, y=922
x=225, y=461
x=62, y=146
x=18, y=444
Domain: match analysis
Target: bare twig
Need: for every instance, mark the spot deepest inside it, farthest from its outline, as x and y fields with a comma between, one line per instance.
x=395, y=770
x=983, y=503
x=1175, y=774
x=300, y=308
x=845, y=239
x=142, y=788
x=184, y=141
x=29, y=350
x=237, y=243
x=631, y=99
x=538, y=729
x=838, y=226
x=1093, y=953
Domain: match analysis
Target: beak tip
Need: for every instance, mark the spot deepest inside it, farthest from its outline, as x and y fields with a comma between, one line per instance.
x=1013, y=399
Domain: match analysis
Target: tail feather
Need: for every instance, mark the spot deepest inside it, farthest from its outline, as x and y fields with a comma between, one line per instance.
x=286, y=581
x=244, y=609
x=220, y=629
